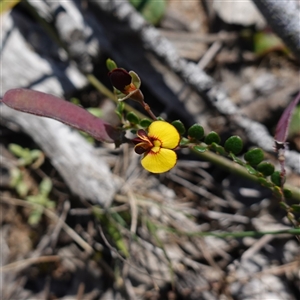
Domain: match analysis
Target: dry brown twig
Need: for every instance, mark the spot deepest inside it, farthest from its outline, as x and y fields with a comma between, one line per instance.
x=50, y=214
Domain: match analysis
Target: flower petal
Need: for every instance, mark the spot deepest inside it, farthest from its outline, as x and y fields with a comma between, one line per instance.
x=120, y=79
x=165, y=132
x=159, y=162
x=142, y=147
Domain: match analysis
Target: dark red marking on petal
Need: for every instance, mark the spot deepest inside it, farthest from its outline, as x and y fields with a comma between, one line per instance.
x=142, y=148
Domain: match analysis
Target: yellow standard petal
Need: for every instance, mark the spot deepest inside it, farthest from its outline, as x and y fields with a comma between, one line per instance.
x=159, y=160
x=165, y=132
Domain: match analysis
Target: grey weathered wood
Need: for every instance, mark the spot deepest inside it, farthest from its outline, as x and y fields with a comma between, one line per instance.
x=22, y=66
x=283, y=17
x=85, y=173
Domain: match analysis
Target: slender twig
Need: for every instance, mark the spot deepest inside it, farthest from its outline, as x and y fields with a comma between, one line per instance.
x=22, y=264
x=111, y=248
x=235, y=234
x=53, y=216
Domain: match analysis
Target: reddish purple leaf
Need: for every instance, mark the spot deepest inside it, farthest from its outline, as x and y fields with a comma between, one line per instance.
x=282, y=128
x=49, y=106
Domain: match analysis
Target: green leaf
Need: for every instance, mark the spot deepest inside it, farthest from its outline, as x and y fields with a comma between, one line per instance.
x=254, y=156
x=120, y=107
x=276, y=178
x=133, y=118
x=35, y=154
x=145, y=123
x=264, y=182
x=236, y=159
x=212, y=137
x=287, y=193
x=117, y=238
x=234, y=144
x=97, y=112
x=15, y=177
x=151, y=10
x=267, y=41
x=284, y=205
x=277, y=191
x=266, y=168
x=17, y=150
x=184, y=142
x=110, y=64
x=251, y=170
x=200, y=149
x=22, y=188
x=217, y=148
x=35, y=216
x=296, y=208
x=45, y=186
x=196, y=132
x=179, y=126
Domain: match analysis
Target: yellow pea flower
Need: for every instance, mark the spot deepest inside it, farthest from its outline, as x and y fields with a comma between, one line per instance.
x=157, y=146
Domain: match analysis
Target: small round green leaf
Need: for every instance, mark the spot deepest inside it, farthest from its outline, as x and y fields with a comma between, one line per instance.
x=266, y=168
x=145, y=123
x=132, y=118
x=179, y=126
x=234, y=144
x=196, y=132
x=212, y=137
x=287, y=193
x=276, y=178
x=254, y=156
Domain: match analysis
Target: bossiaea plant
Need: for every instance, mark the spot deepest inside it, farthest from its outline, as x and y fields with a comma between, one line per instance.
x=156, y=140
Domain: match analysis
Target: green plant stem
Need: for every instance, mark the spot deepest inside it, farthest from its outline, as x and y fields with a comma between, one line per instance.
x=236, y=169
x=237, y=234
